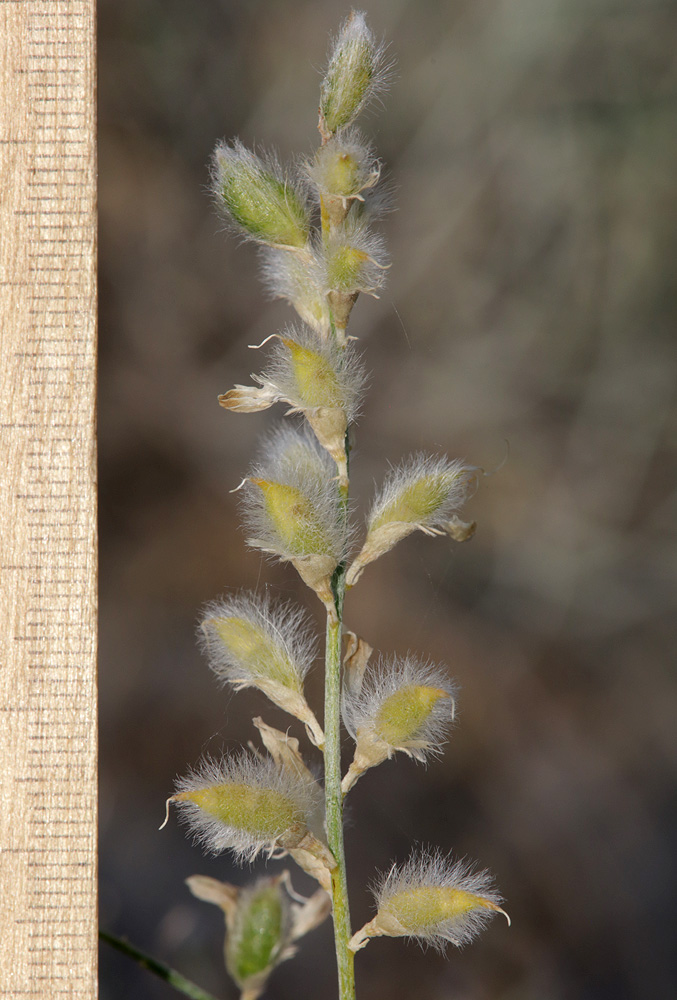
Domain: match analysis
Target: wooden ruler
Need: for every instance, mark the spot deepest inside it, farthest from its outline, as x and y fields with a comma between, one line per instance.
x=47, y=499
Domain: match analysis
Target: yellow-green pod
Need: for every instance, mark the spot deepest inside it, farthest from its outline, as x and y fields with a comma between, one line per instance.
x=254, y=642
x=422, y=494
x=260, y=931
x=353, y=74
x=293, y=519
x=262, y=812
x=418, y=500
x=432, y=899
x=403, y=716
x=248, y=804
x=315, y=374
x=262, y=203
x=346, y=268
x=401, y=705
x=251, y=649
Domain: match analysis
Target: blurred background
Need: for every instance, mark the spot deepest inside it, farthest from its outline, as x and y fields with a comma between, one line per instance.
x=530, y=311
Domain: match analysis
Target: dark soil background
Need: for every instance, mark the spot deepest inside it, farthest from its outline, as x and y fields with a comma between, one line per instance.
x=533, y=152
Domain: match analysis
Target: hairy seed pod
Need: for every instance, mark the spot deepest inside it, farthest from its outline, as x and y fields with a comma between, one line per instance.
x=263, y=922
x=250, y=642
x=247, y=804
x=401, y=705
x=260, y=933
x=355, y=74
x=317, y=378
x=433, y=900
x=291, y=507
x=344, y=167
x=343, y=170
x=264, y=205
x=354, y=261
x=422, y=494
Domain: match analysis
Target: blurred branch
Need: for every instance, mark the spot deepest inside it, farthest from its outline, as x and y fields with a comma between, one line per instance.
x=170, y=976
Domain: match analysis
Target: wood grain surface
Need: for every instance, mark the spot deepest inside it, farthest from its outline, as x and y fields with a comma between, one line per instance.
x=48, y=500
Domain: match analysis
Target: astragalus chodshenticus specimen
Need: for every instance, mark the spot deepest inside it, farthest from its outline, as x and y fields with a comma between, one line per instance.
x=319, y=251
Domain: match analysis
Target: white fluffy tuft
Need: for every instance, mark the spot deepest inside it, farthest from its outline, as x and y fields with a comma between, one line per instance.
x=292, y=453
x=297, y=277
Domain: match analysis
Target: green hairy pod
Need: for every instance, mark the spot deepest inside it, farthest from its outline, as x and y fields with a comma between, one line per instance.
x=433, y=900
x=252, y=643
x=422, y=494
x=355, y=74
x=400, y=705
x=247, y=804
x=263, y=922
x=260, y=932
x=262, y=203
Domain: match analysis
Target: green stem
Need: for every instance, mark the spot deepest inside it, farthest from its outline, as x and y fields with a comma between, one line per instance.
x=333, y=796
x=170, y=976
x=345, y=958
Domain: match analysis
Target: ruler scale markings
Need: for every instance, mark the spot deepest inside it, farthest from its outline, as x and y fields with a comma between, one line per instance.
x=47, y=825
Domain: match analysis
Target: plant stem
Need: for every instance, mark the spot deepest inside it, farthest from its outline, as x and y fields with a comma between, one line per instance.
x=170, y=976
x=333, y=796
